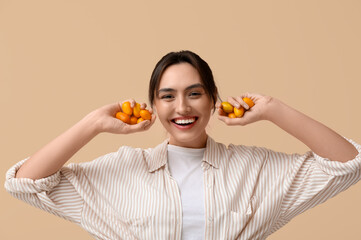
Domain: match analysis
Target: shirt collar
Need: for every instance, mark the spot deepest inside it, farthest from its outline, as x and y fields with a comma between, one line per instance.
x=212, y=154
x=159, y=156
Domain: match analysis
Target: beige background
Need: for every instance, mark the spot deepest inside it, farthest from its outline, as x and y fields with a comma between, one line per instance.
x=60, y=60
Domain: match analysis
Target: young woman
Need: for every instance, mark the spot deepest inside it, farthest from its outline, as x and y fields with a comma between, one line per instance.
x=189, y=186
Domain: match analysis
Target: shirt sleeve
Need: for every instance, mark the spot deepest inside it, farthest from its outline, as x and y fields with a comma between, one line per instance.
x=78, y=190
x=312, y=179
x=55, y=194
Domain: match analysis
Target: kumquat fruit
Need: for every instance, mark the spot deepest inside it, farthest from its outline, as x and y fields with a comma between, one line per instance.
x=145, y=114
x=233, y=112
x=227, y=107
x=133, y=115
x=127, y=108
x=123, y=116
x=249, y=101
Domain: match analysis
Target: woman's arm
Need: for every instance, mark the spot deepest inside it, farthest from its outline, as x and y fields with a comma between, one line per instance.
x=320, y=139
x=55, y=154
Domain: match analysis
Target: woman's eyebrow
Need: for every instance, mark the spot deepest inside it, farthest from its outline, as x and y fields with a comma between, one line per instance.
x=165, y=90
x=197, y=85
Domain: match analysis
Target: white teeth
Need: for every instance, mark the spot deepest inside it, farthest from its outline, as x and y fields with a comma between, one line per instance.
x=185, y=121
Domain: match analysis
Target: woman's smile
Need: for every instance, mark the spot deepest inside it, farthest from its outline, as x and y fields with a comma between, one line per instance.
x=184, y=123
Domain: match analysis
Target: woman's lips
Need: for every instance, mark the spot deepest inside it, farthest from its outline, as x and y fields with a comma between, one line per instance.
x=184, y=119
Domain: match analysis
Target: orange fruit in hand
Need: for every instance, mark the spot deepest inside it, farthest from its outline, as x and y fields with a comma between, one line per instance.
x=133, y=120
x=127, y=108
x=238, y=112
x=136, y=110
x=140, y=120
x=123, y=116
x=249, y=101
x=227, y=107
x=233, y=112
x=231, y=115
x=133, y=115
x=145, y=114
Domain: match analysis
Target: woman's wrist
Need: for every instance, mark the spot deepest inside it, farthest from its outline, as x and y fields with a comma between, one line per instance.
x=91, y=124
x=271, y=109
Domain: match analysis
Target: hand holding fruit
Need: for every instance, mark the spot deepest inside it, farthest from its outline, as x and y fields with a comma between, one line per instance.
x=105, y=119
x=243, y=109
x=133, y=113
x=238, y=110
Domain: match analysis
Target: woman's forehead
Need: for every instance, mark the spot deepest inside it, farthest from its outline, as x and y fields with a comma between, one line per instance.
x=179, y=76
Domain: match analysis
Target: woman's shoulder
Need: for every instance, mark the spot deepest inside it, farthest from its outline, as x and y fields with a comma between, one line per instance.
x=244, y=151
x=232, y=147
x=126, y=150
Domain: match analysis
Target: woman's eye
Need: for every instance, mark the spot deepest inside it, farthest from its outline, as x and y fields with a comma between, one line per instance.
x=195, y=94
x=166, y=97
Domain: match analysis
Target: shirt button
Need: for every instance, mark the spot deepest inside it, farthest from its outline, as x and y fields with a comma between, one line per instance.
x=210, y=219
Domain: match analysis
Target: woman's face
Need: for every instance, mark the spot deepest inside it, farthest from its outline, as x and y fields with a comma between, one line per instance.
x=183, y=106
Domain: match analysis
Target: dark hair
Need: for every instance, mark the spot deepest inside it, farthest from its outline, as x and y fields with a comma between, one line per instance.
x=197, y=62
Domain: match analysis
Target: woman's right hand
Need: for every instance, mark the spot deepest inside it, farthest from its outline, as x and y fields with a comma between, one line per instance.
x=105, y=120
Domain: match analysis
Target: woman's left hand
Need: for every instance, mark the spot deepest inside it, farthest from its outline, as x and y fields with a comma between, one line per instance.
x=254, y=114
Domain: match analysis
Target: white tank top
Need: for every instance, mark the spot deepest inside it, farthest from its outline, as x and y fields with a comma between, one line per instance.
x=185, y=167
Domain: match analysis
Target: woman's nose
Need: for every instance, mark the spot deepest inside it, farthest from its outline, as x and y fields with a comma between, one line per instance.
x=183, y=107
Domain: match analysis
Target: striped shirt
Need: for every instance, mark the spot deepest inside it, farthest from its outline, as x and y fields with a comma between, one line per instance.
x=249, y=192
